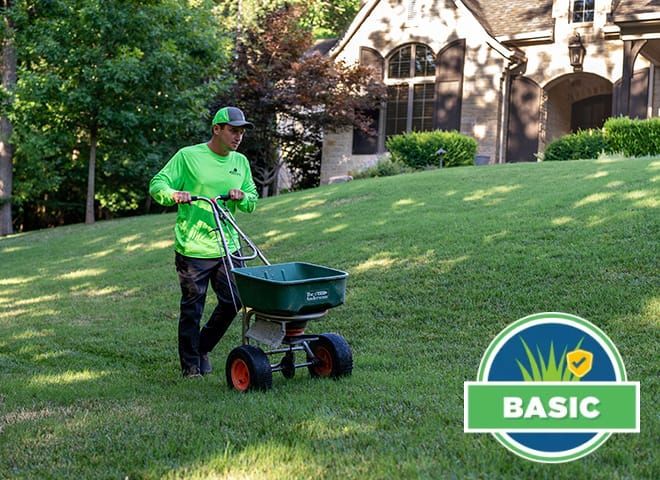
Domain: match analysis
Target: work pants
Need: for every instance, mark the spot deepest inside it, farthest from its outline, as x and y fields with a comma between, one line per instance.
x=194, y=276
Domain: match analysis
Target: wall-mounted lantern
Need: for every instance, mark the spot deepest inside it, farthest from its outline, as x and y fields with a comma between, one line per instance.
x=576, y=52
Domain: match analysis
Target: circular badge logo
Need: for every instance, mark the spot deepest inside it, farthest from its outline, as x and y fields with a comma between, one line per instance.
x=551, y=387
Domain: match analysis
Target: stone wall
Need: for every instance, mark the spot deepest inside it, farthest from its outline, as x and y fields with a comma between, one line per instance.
x=482, y=99
x=338, y=160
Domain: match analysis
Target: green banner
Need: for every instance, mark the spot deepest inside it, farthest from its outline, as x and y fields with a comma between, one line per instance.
x=549, y=406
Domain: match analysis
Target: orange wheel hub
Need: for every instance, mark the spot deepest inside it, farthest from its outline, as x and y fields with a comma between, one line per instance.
x=240, y=375
x=324, y=368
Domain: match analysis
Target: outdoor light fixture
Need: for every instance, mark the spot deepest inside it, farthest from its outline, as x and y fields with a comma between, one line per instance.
x=576, y=52
x=441, y=153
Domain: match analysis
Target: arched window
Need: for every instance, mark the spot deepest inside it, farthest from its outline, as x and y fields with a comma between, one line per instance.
x=583, y=11
x=410, y=89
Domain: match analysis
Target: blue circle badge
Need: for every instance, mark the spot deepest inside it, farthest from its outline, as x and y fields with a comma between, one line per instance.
x=551, y=388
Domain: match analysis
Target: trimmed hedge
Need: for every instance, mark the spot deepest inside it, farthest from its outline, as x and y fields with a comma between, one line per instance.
x=418, y=149
x=575, y=146
x=632, y=138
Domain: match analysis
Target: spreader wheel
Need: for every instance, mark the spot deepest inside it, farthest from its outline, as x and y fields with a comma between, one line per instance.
x=334, y=356
x=288, y=365
x=248, y=368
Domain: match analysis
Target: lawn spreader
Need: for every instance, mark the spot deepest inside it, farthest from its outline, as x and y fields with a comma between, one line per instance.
x=278, y=302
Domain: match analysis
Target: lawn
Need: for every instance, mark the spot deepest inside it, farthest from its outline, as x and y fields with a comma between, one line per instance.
x=439, y=263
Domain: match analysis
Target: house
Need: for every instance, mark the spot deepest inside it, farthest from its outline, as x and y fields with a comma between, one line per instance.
x=513, y=74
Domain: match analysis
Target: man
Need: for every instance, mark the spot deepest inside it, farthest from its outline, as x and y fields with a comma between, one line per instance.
x=207, y=169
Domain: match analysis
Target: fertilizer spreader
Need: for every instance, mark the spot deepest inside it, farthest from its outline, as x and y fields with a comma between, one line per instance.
x=278, y=302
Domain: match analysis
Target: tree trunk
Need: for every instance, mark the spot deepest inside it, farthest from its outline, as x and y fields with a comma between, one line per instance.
x=6, y=149
x=91, y=175
x=147, y=203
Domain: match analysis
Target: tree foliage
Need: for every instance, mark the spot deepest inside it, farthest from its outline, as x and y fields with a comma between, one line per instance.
x=125, y=79
x=293, y=94
x=324, y=18
x=330, y=18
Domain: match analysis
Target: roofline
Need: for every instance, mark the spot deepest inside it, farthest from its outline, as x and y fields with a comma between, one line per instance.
x=538, y=36
x=638, y=17
x=507, y=53
x=367, y=8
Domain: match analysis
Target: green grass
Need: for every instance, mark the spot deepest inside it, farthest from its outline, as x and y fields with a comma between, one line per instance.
x=439, y=263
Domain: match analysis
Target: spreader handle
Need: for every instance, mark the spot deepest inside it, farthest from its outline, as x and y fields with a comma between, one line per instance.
x=194, y=198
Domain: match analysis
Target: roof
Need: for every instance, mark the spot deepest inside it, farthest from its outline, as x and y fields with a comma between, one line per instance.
x=508, y=19
x=483, y=16
x=511, y=17
x=626, y=8
x=514, y=17
x=321, y=47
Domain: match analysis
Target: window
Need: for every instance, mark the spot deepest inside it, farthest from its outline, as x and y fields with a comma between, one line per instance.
x=399, y=63
x=423, y=103
x=583, y=11
x=397, y=109
x=410, y=89
x=412, y=10
x=424, y=61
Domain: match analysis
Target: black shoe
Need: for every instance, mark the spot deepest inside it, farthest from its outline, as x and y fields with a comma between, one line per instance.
x=191, y=372
x=205, y=364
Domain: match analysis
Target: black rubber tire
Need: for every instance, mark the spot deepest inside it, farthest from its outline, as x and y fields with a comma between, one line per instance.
x=251, y=369
x=336, y=356
x=289, y=365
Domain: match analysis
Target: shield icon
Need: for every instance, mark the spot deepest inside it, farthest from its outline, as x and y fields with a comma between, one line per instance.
x=579, y=362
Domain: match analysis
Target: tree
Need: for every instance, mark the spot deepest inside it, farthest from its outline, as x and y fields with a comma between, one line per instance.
x=6, y=148
x=330, y=18
x=325, y=18
x=115, y=84
x=293, y=94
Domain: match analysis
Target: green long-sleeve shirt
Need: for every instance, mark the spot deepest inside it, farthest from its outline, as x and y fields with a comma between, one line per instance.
x=200, y=171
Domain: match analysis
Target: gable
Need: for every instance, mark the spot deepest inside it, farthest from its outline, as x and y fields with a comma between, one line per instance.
x=385, y=24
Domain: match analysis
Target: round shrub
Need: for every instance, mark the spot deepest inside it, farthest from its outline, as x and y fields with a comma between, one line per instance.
x=419, y=149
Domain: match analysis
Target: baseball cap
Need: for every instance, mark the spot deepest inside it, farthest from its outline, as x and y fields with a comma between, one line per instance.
x=232, y=116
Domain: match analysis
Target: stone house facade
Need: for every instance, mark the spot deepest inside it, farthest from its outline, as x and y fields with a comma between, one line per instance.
x=513, y=74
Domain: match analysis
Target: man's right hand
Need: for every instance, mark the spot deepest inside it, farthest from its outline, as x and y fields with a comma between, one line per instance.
x=181, y=197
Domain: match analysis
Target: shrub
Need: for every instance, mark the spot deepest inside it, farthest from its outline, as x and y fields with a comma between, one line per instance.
x=418, y=149
x=575, y=146
x=634, y=138
x=386, y=167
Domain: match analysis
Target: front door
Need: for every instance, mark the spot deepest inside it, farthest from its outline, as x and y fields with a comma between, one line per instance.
x=591, y=112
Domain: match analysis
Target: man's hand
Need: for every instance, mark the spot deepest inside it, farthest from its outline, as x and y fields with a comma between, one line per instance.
x=181, y=197
x=236, y=194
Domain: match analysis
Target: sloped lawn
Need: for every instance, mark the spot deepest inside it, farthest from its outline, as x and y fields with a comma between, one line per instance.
x=439, y=263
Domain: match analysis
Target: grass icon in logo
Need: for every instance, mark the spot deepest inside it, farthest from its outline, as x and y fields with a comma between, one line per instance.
x=550, y=407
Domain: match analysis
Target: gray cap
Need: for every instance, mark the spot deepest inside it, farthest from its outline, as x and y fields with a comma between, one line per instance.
x=231, y=116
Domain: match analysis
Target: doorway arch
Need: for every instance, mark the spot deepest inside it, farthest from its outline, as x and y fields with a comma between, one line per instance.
x=575, y=101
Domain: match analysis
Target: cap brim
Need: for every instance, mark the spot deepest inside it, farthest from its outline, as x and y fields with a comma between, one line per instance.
x=241, y=124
